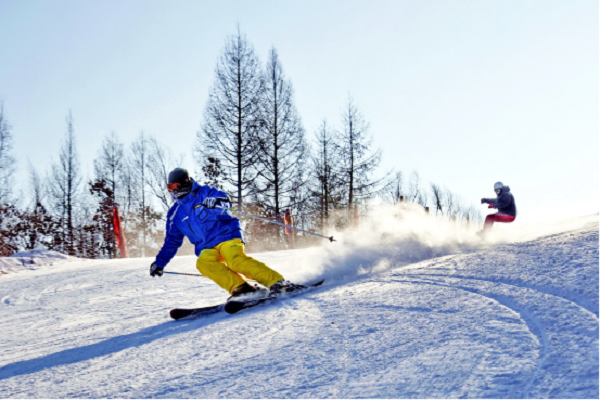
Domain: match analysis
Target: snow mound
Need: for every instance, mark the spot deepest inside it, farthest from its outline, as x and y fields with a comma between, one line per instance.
x=31, y=260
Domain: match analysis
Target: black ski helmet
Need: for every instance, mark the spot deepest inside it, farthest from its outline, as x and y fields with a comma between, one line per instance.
x=178, y=175
x=179, y=182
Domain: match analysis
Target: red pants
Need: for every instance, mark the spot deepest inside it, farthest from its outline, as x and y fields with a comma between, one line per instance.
x=498, y=217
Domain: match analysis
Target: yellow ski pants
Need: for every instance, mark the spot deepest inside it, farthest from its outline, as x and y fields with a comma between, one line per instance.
x=226, y=262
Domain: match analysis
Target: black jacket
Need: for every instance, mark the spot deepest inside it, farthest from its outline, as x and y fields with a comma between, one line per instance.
x=505, y=202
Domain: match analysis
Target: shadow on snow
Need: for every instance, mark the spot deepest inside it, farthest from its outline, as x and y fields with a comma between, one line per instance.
x=103, y=348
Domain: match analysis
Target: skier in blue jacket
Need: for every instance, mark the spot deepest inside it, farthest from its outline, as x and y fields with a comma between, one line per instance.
x=200, y=213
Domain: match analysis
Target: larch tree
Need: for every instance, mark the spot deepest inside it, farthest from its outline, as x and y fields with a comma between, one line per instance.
x=9, y=215
x=282, y=150
x=138, y=231
x=64, y=187
x=142, y=232
x=358, y=159
x=110, y=163
x=7, y=161
x=161, y=161
x=232, y=115
x=326, y=190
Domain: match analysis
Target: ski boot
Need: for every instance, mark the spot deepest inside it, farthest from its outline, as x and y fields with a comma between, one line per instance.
x=282, y=287
x=246, y=292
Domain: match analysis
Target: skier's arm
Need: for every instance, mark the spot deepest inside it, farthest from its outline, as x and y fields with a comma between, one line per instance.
x=221, y=198
x=488, y=201
x=173, y=242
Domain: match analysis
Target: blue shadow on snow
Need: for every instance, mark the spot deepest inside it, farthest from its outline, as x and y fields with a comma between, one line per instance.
x=103, y=348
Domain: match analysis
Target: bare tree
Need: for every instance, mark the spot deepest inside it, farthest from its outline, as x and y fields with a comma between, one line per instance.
x=142, y=220
x=395, y=188
x=358, y=159
x=139, y=169
x=326, y=187
x=415, y=190
x=232, y=115
x=281, y=137
x=64, y=187
x=455, y=208
x=438, y=197
x=7, y=161
x=109, y=164
x=160, y=162
x=452, y=204
x=36, y=187
x=128, y=187
x=37, y=228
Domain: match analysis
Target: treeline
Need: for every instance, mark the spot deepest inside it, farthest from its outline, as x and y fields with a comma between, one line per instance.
x=65, y=212
x=252, y=143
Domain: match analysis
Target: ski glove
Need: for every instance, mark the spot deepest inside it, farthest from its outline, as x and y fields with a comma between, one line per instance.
x=209, y=202
x=156, y=270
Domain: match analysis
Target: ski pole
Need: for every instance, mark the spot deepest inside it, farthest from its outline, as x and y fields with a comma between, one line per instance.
x=331, y=239
x=181, y=273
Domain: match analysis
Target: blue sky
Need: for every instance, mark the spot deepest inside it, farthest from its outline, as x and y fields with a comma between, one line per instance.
x=464, y=92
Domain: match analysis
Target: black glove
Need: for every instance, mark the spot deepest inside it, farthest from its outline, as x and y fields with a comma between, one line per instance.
x=209, y=202
x=156, y=270
x=483, y=201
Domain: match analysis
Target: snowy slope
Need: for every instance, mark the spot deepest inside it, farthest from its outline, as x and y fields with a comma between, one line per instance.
x=405, y=312
x=32, y=260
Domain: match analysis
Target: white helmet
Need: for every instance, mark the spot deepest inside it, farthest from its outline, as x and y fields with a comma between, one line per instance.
x=498, y=185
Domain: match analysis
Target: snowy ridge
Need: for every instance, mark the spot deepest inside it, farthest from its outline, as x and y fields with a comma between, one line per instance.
x=407, y=311
x=31, y=260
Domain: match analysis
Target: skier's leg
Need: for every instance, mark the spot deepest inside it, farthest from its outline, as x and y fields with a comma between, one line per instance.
x=498, y=217
x=503, y=217
x=210, y=264
x=489, y=222
x=238, y=261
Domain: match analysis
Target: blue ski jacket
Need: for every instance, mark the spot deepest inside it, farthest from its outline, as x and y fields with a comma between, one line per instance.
x=204, y=227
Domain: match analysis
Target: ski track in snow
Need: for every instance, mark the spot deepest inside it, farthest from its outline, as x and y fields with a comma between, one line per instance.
x=512, y=320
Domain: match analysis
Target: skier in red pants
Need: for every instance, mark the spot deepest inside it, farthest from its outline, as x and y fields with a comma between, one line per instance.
x=504, y=203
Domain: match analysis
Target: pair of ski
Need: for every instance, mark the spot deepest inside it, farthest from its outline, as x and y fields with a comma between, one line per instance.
x=234, y=306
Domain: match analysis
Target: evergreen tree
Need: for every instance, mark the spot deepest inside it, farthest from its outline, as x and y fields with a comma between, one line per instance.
x=101, y=229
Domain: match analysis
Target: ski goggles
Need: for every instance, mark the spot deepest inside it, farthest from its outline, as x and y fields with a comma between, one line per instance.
x=173, y=186
x=497, y=191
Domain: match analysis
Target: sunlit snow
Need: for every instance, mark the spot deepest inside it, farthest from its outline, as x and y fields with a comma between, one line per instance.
x=411, y=307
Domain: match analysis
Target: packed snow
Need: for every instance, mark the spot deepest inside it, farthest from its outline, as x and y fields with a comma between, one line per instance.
x=411, y=307
x=31, y=260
